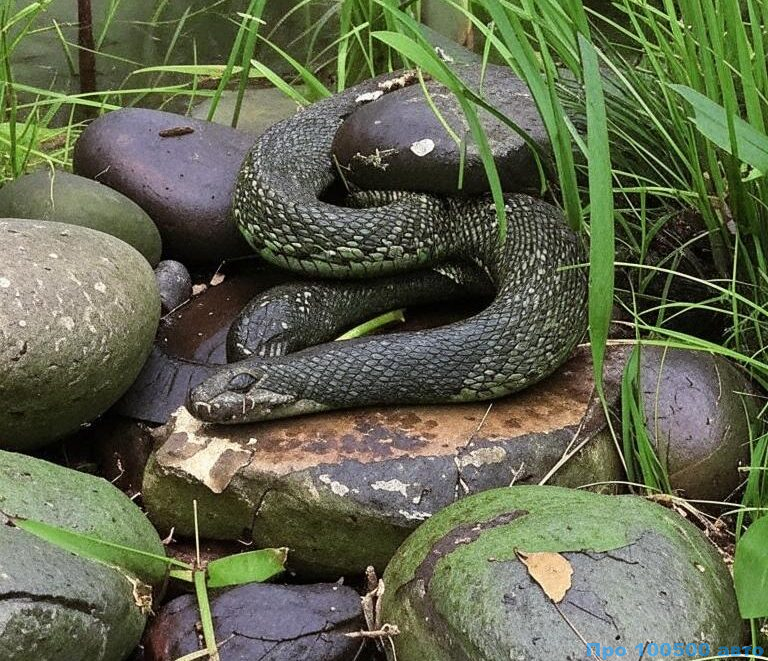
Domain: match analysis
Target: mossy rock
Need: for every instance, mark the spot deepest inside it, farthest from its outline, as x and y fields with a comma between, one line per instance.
x=54, y=604
x=457, y=589
x=68, y=198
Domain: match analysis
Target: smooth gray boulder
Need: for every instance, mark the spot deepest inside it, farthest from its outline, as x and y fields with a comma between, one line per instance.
x=78, y=314
x=67, y=198
x=55, y=605
x=458, y=588
x=698, y=408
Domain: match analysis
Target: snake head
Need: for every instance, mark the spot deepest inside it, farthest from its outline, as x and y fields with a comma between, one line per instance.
x=242, y=394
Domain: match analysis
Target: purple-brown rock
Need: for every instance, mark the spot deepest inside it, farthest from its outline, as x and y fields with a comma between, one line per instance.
x=180, y=170
x=263, y=621
x=396, y=142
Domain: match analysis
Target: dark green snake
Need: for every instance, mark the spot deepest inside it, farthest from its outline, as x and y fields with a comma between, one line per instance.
x=533, y=323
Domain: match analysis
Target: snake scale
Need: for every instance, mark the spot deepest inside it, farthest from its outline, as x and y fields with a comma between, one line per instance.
x=536, y=317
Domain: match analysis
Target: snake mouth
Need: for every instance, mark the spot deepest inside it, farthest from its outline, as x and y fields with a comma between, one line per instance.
x=242, y=395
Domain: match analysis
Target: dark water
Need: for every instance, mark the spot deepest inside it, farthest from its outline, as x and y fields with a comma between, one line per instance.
x=131, y=34
x=141, y=32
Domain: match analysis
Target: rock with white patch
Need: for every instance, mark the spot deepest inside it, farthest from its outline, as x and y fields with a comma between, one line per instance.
x=78, y=314
x=394, y=140
x=344, y=488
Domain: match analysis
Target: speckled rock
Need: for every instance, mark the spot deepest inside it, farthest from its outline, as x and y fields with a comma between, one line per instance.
x=67, y=198
x=397, y=143
x=457, y=588
x=180, y=170
x=78, y=313
x=344, y=488
x=262, y=621
x=697, y=409
x=174, y=284
x=55, y=605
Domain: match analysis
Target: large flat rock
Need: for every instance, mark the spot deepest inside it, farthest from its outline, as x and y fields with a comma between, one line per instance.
x=343, y=489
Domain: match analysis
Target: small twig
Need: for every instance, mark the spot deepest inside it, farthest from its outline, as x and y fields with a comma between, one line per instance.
x=570, y=624
x=385, y=631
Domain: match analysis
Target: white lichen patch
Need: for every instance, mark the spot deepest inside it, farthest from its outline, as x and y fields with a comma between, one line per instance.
x=367, y=97
x=482, y=457
x=414, y=516
x=336, y=487
x=67, y=322
x=100, y=287
x=205, y=465
x=5, y=283
x=395, y=486
x=422, y=147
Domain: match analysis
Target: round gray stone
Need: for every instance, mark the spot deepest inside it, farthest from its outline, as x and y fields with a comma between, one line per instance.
x=457, y=588
x=174, y=283
x=396, y=142
x=78, y=314
x=697, y=408
x=68, y=198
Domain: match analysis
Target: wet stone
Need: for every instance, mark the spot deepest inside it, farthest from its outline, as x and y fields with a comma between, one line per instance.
x=457, y=588
x=57, y=605
x=263, y=621
x=180, y=170
x=191, y=342
x=396, y=142
x=78, y=314
x=343, y=489
x=174, y=284
x=68, y=198
x=697, y=409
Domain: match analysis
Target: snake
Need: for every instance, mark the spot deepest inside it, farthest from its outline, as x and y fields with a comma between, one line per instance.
x=374, y=251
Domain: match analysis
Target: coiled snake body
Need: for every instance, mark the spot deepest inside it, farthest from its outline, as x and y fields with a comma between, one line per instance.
x=536, y=318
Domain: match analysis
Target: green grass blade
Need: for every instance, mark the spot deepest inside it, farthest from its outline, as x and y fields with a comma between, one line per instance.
x=206, y=616
x=745, y=141
x=601, y=250
x=750, y=570
x=250, y=567
x=93, y=548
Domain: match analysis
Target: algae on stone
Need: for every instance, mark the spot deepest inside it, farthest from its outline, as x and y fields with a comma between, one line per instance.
x=457, y=590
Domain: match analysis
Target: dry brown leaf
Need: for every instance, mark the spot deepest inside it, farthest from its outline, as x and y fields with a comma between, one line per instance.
x=550, y=570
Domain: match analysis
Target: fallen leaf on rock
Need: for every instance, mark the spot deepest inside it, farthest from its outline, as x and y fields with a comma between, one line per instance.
x=550, y=570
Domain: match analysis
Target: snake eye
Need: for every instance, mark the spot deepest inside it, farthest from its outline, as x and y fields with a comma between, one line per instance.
x=241, y=382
